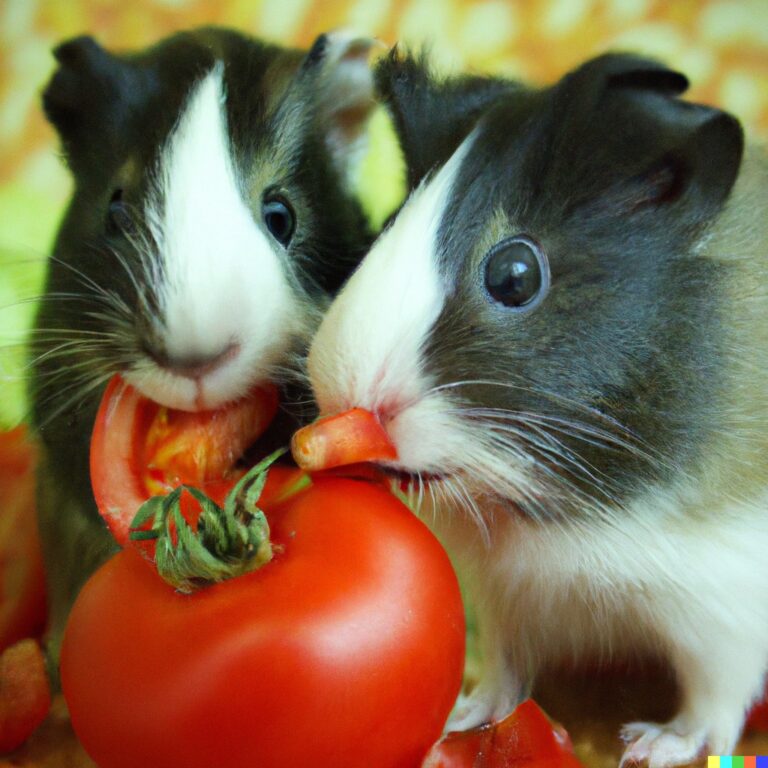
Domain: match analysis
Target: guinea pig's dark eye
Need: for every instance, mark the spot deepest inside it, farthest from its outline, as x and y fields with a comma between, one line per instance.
x=119, y=220
x=279, y=218
x=517, y=273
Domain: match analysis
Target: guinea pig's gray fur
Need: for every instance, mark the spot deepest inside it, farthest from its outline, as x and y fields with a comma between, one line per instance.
x=212, y=218
x=565, y=334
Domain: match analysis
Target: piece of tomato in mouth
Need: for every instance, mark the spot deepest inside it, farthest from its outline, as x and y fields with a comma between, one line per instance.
x=141, y=449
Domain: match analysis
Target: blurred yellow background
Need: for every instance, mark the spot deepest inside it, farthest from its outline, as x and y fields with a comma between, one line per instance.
x=722, y=45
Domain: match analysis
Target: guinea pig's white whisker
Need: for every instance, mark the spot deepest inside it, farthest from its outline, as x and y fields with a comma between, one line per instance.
x=493, y=463
x=82, y=388
x=546, y=426
x=144, y=245
x=285, y=372
x=101, y=295
x=420, y=497
x=599, y=415
x=66, y=351
x=466, y=500
x=65, y=340
x=67, y=333
x=31, y=257
x=568, y=426
x=123, y=262
x=116, y=321
x=587, y=433
x=551, y=454
x=53, y=296
x=84, y=279
x=73, y=359
x=626, y=440
x=544, y=440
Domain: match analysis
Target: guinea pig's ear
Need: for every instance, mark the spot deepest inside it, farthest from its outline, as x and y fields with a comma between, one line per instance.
x=659, y=152
x=432, y=115
x=343, y=93
x=87, y=98
x=698, y=169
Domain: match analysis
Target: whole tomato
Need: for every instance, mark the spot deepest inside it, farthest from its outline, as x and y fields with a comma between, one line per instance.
x=345, y=650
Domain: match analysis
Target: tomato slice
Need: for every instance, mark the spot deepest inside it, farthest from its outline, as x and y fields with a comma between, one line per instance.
x=524, y=738
x=351, y=437
x=141, y=449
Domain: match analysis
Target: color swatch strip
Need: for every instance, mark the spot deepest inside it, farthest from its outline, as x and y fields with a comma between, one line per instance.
x=737, y=761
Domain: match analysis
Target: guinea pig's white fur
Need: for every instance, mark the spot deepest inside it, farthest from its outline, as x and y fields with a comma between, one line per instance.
x=659, y=576
x=222, y=290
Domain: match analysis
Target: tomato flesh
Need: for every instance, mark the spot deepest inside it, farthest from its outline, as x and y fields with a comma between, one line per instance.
x=141, y=449
x=524, y=738
x=345, y=650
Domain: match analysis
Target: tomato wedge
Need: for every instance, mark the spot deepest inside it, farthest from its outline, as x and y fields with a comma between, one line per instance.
x=524, y=739
x=141, y=449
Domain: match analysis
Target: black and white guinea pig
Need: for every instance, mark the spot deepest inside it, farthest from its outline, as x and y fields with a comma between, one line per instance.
x=564, y=332
x=212, y=219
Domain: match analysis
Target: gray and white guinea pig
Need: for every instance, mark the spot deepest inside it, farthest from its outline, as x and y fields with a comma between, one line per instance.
x=212, y=218
x=564, y=332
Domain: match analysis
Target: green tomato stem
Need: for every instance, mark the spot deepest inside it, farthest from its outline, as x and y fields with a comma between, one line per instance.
x=229, y=541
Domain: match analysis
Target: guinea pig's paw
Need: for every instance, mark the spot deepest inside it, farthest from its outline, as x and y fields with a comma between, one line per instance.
x=660, y=746
x=482, y=705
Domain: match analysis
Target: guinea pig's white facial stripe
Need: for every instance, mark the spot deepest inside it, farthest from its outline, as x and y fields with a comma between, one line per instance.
x=368, y=351
x=222, y=281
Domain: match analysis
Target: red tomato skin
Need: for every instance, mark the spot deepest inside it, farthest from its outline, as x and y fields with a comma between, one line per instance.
x=345, y=651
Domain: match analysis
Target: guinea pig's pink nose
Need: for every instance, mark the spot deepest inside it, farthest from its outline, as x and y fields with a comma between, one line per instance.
x=351, y=437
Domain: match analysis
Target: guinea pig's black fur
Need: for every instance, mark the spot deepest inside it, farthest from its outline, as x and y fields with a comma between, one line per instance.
x=292, y=122
x=616, y=181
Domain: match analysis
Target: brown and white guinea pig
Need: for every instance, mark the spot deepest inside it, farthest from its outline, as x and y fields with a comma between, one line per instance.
x=212, y=219
x=564, y=332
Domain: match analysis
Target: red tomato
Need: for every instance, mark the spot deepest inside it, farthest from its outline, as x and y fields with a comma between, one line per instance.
x=524, y=739
x=141, y=449
x=346, y=650
x=22, y=588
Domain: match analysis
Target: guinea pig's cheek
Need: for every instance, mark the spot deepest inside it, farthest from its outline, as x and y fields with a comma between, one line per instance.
x=428, y=437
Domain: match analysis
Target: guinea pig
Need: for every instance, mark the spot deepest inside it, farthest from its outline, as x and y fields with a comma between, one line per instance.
x=563, y=332
x=212, y=218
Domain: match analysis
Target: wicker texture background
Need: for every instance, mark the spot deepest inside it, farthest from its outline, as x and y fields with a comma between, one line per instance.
x=722, y=45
